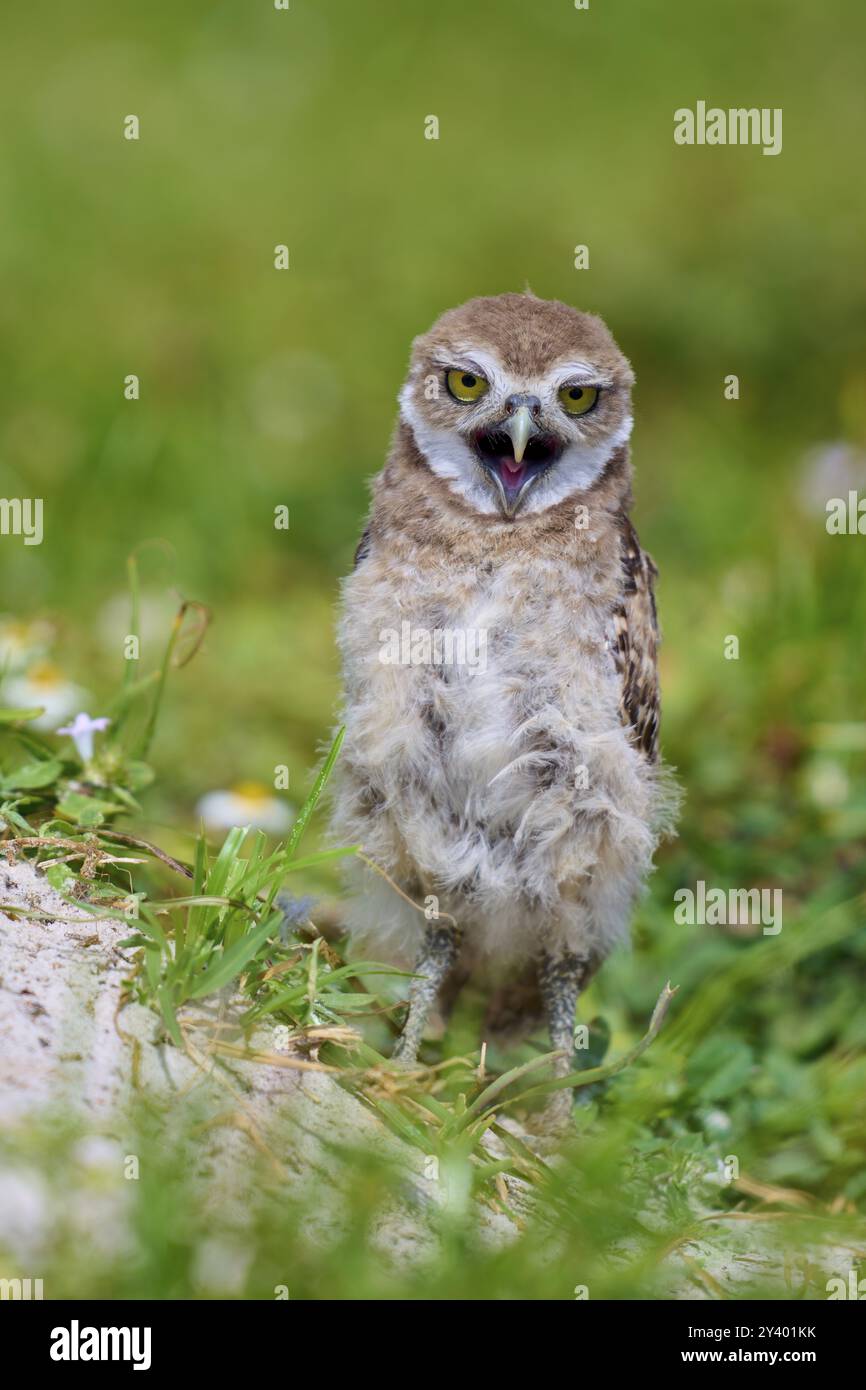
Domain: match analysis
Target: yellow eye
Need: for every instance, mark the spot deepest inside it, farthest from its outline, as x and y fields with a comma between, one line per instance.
x=466, y=386
x=577, y=400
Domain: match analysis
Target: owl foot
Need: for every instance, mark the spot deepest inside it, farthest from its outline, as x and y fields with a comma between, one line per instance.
x=438, y=956
x=561, y=975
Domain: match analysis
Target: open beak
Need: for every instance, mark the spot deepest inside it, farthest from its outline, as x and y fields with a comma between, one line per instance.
x=516, y=452
x=521, y=427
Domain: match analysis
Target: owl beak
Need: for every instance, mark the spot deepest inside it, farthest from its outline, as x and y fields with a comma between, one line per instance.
x=514, y=482
x=520, y=426
x=515, y=452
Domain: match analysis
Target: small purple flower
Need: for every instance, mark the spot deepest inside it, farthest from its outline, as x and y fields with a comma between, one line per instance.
x=81, y=731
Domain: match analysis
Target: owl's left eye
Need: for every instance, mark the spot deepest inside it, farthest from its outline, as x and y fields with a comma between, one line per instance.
x=466, y=386
x=577, y=400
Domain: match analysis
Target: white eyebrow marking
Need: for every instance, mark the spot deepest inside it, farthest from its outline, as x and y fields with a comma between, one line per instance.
x=582, y=371
x=471, y=359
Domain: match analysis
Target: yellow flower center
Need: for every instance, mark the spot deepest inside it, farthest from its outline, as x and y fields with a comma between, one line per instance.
x=44, y=673
x=251, y=791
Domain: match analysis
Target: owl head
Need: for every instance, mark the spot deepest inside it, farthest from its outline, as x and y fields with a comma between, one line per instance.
x=517, y=402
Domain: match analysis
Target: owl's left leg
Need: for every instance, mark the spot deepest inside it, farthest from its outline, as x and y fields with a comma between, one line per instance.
x=562, y=974
x=439, y=951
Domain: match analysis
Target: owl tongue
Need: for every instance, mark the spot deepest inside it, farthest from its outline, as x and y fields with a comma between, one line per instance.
x=511, y=473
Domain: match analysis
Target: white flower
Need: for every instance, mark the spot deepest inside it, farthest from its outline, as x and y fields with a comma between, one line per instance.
x=81, y=731
x=45, y=686
x=247, y=803
x=21, y=642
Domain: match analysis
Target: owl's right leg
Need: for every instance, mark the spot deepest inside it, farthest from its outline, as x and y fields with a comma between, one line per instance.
x=439, y=951
x=562, y=974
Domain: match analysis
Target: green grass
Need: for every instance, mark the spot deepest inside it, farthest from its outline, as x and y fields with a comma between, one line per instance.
x=761, y=1057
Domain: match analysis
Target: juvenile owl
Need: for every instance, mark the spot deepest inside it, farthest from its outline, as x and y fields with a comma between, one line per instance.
x=498, y=637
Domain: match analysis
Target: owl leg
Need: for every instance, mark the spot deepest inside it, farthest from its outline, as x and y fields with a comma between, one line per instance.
x=439, y=951
x=561, y=976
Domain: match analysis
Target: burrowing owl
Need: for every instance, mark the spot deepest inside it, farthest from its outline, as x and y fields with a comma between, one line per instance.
x=499, y=638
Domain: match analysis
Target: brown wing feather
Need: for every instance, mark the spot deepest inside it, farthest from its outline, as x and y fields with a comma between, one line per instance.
x=363, y=548
x=636, y=639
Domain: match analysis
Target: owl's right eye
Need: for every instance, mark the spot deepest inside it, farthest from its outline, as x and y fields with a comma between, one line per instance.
x=466, y=386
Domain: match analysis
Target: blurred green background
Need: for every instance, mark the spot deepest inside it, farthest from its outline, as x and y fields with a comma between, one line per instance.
x=261, y=388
